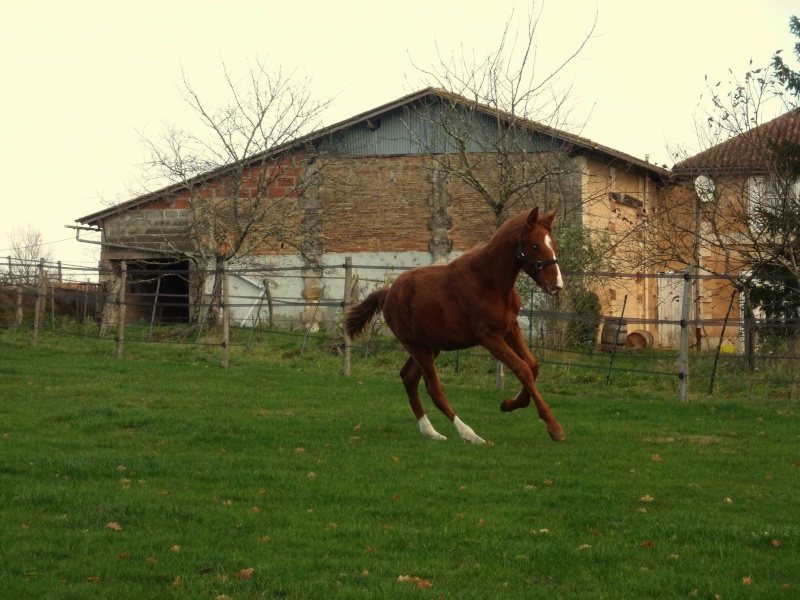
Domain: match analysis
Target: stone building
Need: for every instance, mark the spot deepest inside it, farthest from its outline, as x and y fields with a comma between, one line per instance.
x=409, y=183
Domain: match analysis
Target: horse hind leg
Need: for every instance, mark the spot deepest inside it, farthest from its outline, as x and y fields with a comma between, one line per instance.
x=425, y=363
x=411, y=374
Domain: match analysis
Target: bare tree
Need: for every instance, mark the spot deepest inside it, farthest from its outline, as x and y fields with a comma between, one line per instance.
x=242, y=175
x=499, y=127
x=742, y=189
x=27, y=249
x=495, y=134
x=738, y=212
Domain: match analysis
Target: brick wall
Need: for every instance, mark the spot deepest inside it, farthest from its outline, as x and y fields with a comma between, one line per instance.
x=376, y=204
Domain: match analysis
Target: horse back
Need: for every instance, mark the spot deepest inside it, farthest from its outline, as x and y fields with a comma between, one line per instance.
x=443, y=307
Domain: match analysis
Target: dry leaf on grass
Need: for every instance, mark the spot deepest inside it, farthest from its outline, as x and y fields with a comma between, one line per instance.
x=647, y=498
x=421, y=583
x=114, y=526
x=243, y=574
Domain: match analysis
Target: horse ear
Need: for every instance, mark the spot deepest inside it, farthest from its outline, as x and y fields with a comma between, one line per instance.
x=546, y=220
x=533, y=216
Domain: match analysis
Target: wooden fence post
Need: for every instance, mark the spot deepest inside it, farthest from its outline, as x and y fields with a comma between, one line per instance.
x=123, y=276
x=348, y=282
x=500, y=376
x=53, y=305
x=226, y=314
x=684, y=352
x=18, y=312
x=37, y=313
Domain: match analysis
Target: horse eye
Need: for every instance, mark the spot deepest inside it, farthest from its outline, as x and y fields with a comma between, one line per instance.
x=535, y=247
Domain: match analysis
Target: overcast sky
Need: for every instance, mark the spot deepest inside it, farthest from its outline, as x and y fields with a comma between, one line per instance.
x=81, y=79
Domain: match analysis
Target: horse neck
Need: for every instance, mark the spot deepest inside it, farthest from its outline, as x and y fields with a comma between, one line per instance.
x=497, y=260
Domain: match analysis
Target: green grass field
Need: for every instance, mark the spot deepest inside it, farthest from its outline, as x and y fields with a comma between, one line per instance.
x=162, y=475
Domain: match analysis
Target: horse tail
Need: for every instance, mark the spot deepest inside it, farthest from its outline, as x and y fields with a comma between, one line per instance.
x=357, y=317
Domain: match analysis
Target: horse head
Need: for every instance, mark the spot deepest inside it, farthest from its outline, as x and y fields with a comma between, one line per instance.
x=536, y=251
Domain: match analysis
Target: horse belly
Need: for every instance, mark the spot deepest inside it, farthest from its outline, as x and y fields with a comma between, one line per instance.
x=423, y=312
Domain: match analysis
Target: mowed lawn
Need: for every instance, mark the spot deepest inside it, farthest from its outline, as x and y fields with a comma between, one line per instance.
x=162, y=475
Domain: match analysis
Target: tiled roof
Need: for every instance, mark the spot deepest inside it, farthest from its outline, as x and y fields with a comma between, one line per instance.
x=747, y=152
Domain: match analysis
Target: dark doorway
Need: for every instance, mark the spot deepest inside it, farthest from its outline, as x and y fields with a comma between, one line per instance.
x=159, y=291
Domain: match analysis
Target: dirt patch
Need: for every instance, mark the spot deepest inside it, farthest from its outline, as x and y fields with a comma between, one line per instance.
x=698, y=440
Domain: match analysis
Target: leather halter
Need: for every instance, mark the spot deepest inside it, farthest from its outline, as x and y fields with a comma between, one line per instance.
x=523, y=260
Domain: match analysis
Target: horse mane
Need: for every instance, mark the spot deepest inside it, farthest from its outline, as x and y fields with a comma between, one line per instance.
x=508, y=226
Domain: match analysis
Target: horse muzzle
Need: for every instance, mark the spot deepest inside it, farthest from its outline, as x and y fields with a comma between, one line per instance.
x=552, y=287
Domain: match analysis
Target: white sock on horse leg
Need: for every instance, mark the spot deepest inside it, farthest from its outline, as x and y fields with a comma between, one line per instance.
x=427, y=429
x=466, y=433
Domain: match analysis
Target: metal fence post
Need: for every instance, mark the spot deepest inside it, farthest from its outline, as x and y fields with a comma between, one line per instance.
x=226, y=314
x=123, y=277
x=348, y=282
x=684, y=358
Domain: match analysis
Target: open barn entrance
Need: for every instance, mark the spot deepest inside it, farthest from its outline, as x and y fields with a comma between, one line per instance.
x=158, y=291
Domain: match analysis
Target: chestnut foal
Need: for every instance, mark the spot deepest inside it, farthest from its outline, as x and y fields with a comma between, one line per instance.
x=471, y=301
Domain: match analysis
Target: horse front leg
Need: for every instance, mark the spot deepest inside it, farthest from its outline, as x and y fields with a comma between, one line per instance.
x=517, y=342
x=510, y=351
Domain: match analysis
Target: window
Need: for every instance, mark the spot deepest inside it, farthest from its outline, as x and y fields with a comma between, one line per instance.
x=770, y=196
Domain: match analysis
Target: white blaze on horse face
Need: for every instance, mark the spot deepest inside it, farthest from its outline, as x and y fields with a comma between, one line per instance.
x=427, y=429
x=559, y=281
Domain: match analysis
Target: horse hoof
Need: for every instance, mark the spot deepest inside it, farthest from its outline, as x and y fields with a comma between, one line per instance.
x=557, y=436
x=504, y=406
x=475, y=440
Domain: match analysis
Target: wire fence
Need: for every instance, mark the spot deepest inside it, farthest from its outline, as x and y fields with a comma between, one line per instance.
x=668, y=328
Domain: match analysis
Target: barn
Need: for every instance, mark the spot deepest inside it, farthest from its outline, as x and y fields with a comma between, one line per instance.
x=416, y=181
